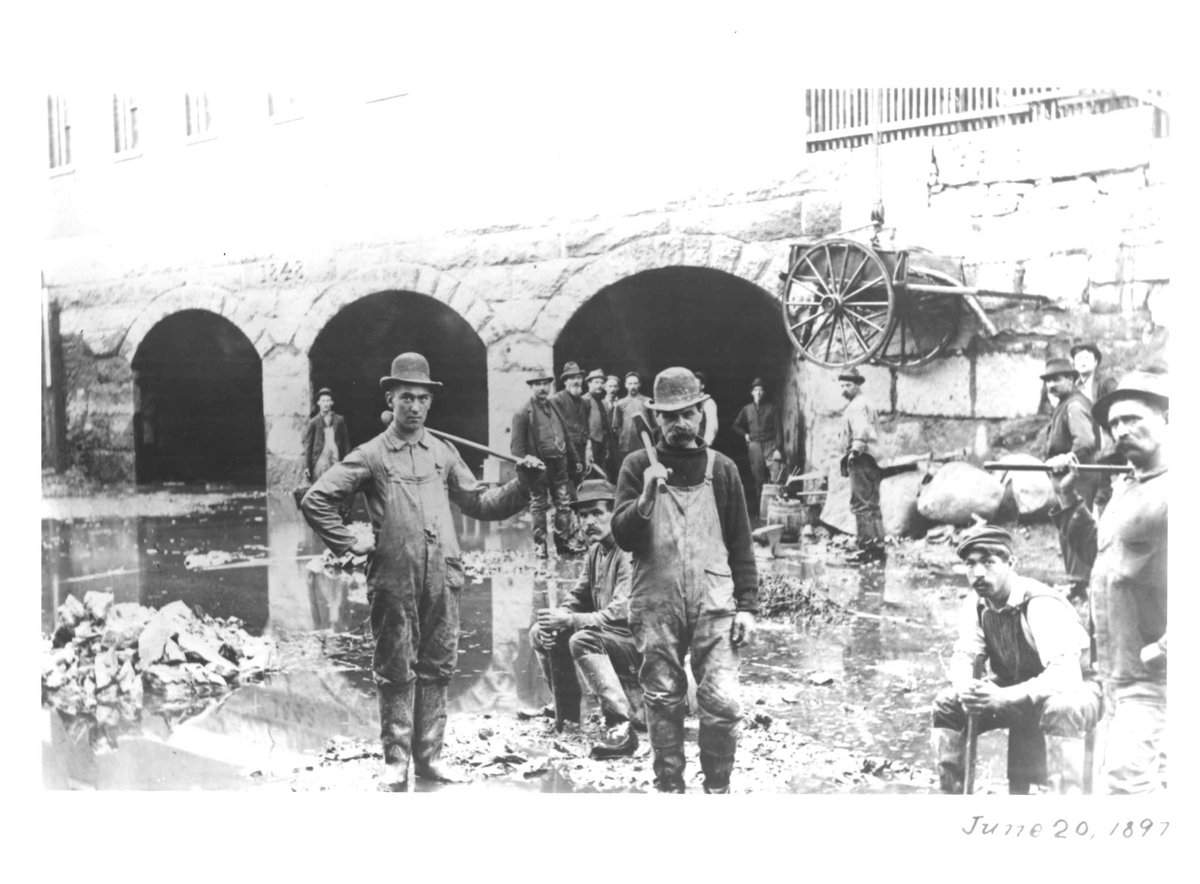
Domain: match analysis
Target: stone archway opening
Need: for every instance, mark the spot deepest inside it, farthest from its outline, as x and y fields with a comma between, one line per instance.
x=706, y=320
x=198, y=413
x=356, y=347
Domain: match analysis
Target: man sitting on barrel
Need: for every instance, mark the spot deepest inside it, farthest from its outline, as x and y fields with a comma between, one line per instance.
x=591, y=630
x=1031, y=637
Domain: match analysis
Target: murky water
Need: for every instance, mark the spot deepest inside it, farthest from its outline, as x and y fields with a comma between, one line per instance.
x=864, y=685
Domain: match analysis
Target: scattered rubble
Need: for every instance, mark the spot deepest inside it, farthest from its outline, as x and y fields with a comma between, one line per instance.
x=784, y=595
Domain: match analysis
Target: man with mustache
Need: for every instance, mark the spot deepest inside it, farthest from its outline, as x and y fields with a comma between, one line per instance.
x=759, y=425
x=538, y=430
x=1031, y=638
x=694, y=586
x=591, y=630
x=860, y=433
x=1127, y=552
x=598, y=432
x=634, y=403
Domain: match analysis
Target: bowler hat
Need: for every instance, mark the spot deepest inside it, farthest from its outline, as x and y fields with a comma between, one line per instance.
x=570, y=370
x=984, y=534
x=851, y=374
x=1143, y=385
x=540, y=377
x=1095, y=351
x=676, y=389
x=324, y=391
x=591, y=490
x=409, y=368
x=1058, y=366
x=594, y=374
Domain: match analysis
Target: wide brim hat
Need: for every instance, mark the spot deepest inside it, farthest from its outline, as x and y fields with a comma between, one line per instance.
x=1144, y=385
x=676, y=389
x=540, y=378
x=1058, y=366
x=570, y=370
x=983, y=535
x=851, y=374
x=591, y=490
x=595, y=373
x=409, y=368
x=1095, y=351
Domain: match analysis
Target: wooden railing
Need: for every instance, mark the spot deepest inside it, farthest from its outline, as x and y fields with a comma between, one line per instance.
x=847, y=118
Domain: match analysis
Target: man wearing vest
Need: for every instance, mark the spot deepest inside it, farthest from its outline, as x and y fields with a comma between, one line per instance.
x=860, y=433
x=759, y=425
x=1032, y=640
x=1127, y=552
x=694, y=587
x=597, y=427
x=409, y=478
x=573, y=407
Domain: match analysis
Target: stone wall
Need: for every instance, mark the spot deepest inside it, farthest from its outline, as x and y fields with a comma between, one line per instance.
x=1070, y=209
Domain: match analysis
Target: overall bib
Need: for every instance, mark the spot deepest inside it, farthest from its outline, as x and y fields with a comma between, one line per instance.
x=682, y=600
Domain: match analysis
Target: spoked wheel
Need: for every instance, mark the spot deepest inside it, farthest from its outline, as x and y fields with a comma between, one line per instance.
x=839, y=305
x=926, y=323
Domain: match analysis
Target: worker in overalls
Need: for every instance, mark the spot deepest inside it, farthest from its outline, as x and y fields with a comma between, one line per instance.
x=409, y=477
x=694, y=585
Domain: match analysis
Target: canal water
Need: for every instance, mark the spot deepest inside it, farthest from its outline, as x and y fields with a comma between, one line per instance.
x=862, y=684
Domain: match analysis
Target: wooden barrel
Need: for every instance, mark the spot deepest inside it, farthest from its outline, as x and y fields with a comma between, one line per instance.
x=769, y=493
x=789, y=514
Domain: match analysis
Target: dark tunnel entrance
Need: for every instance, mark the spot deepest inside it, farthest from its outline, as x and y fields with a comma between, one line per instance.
x=198, y=413
x=705, y=320
x=355, y=349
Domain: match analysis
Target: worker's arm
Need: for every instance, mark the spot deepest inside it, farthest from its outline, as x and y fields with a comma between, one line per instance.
x=320, y=504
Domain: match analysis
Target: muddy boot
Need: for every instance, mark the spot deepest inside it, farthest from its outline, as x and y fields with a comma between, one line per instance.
x=601, y=679
x=560, y=674
x=666, y=736
x=716, y=773
x=429, y=730
x=395, y=732
x=948, y=750
x=618, y=741
x=637, y=704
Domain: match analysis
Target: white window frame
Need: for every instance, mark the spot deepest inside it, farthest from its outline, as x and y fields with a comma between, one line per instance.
x=59, y=135
x=126, y=144
x=197, y=109
x=283, y=107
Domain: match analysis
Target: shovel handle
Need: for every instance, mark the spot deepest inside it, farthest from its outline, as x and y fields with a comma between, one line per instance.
x=643, y=431
x=1111, y=469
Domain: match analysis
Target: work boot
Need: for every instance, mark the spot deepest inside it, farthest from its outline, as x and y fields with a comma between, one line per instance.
x=560, y=677
x=717, y=770
x=635, y=697
x=601, y=679
x=618, y=741
x=429, y=720
x=948, y=750
x=668, y=769
x=395, y=732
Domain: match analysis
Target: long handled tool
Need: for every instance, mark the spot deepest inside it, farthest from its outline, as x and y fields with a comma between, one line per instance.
x=386, y=417
x=643, y=430
x=972, y=736
x=1111, y=469
x=551, y=597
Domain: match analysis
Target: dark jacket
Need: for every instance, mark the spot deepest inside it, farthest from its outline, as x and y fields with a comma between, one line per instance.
x=314, y=440
x=528, y=439
x=1072, y=429
x=762, y=424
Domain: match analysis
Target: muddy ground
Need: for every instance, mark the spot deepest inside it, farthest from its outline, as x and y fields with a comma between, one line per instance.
x=836, y=687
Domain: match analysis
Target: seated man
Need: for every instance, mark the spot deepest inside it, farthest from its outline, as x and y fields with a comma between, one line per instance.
x=1031, y=637
x=591, y=630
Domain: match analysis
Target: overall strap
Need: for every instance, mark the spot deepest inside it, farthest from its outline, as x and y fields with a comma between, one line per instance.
x=708, y=469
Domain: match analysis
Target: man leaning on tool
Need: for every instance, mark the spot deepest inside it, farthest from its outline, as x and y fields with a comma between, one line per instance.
x=409, y=478
x=759, y=425
x=694, y=585
x=590, y=630
x=860, y=432
x=1127, y=552
x=1031, y=637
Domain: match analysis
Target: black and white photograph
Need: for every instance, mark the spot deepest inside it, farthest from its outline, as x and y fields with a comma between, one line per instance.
x=550, y=400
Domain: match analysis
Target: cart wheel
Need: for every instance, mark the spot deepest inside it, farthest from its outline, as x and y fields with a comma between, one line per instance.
x=926, y=323
x=838, y=303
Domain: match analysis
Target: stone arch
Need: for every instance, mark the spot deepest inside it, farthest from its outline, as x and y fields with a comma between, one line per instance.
x=212, y=299
x=419, y=279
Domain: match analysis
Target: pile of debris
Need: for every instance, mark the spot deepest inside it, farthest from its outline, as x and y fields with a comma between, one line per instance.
x=780, y=595
x=103, y=657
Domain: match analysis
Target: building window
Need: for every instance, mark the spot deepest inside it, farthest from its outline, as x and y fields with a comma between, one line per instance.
x=60, y=132
x=282, y=107
x=199, y=117
x=125, y=125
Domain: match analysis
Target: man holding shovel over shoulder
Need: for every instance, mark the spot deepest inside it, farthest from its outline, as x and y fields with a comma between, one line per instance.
x=681, y=513
x=409, y=477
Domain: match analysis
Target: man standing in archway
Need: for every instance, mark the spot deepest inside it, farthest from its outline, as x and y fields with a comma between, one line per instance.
x=572, y=407
x=612, y=389
x=708, y=423
x=763, y=432
x=409, y=478
x=597, y=453
x=326, y=442
x=694, y=586
x=634, y=403
x=538, y=430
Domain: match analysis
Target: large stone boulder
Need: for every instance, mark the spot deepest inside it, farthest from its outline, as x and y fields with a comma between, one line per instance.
x=97, y=604
x=898, y=503
x=958, y=492
x=1032, y=492
x=124, y=625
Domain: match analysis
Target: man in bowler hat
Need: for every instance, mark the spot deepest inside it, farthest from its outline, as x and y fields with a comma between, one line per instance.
x=409, y=478
x=538, y=430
